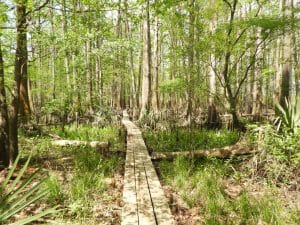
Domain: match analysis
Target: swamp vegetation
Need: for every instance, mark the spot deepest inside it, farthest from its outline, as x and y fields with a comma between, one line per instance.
x=197, y=76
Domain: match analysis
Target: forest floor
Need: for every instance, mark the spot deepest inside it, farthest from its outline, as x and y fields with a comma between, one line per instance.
x=85, y=185
x=252, y=189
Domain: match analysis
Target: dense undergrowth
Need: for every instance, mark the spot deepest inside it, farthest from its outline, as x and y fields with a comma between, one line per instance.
x=254, y=189
x=83, y=183
x=213, y=187
x=183, y=139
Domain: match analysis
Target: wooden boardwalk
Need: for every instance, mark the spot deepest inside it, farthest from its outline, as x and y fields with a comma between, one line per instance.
x=143, y=196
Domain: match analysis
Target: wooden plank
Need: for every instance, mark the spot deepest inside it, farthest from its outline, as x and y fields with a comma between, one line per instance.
x=130, y=208
x=160, y=202
x=150, y=206
x=145, y=209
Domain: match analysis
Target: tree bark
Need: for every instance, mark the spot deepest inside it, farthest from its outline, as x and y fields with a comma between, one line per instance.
x=191, y=72
x=256, y=89
x=24, y=103
x=146, y=83
x=4, y=123
x=89, y=76
x=287, y=58
x=155, y=100
x=20, y=68
x=213, y=120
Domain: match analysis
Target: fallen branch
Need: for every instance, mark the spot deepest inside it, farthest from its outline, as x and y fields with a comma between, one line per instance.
x=226, y=152
x=101, y=146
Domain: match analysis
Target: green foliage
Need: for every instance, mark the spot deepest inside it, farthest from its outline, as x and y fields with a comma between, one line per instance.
x=78, y=175
x=202, y=183
x=55, y=190
x=88, y=178
x=279, y=154
x=3, y=15
x=58, y=106
x=176, y=85
x=289, y=115
x=180, y=139
x=19, y=194
x=270, y=23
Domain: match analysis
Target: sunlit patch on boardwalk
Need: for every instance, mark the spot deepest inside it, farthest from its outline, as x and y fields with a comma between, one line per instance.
x=144, y=200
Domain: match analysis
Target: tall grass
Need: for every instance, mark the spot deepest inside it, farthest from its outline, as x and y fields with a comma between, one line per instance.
x=180, y=139
x=77, y=174
x=201, y=183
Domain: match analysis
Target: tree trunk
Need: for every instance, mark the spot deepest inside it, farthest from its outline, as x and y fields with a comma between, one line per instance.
x=146, y=84
x=191, y=71
x=67, y=52
x=4, y=123
x=89, y=77
x=256, y=89
x=24, y=104
x=287, y=58
x=99, y=77
x=155, y=103
x=20, y=68
x=213, y=120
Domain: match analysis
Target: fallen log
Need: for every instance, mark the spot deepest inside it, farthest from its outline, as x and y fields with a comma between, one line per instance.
x=225, y=152
x=100, y=146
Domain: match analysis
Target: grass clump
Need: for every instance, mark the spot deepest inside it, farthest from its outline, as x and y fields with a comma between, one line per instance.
x=78, y=175
x=181, y=139
x=202, y=183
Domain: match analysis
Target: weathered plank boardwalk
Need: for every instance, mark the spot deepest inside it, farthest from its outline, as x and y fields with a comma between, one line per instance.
x=143, y=196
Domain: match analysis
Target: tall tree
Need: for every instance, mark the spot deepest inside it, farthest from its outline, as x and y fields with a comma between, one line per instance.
x=146, y=84
x=4, y=125
x=191, y=53
x=287, y=67
x=213, y=120
x=24, y=106
x=155, y=100
x=20, y=70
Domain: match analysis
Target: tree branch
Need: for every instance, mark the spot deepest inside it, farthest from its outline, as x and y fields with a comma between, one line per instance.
x=38, y=8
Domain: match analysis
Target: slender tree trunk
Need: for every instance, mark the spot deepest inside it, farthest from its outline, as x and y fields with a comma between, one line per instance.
x=231, y=98
x=67, y=52
x=139, y=80
x=89, y=76
x=4, y=123
x=191, y=72
x=99, y=77
x=256, y=89
x=53, y=54
x=155, y=102
x=133, y=95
